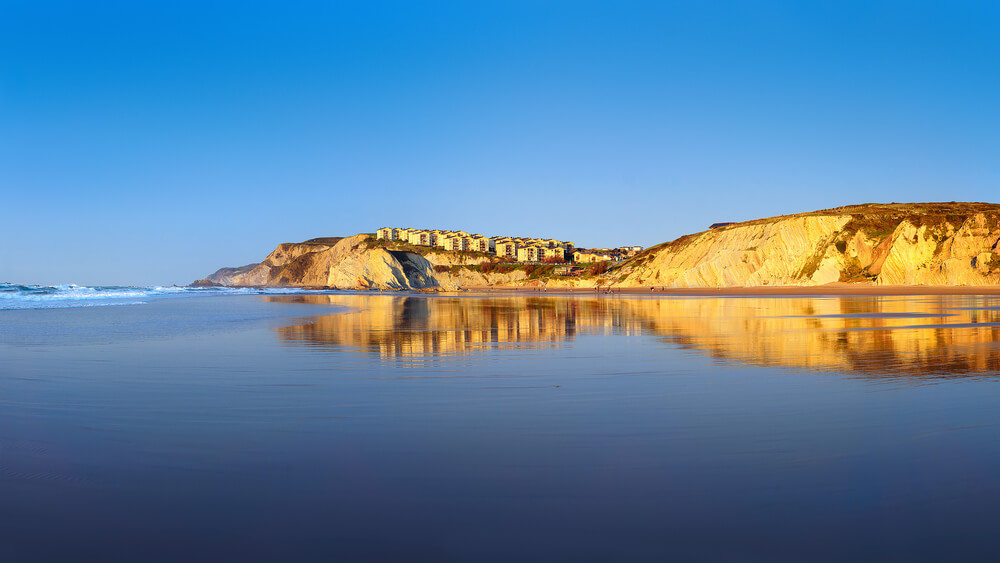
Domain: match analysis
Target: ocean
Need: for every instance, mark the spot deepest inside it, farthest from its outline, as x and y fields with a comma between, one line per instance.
x=168, y=424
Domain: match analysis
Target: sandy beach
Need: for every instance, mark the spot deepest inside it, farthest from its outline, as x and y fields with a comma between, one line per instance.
x=827, y=289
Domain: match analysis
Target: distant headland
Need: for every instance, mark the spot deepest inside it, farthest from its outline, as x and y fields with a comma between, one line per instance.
x=896, y=244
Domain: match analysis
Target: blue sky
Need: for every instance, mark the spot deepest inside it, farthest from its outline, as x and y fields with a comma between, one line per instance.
x=153, y=142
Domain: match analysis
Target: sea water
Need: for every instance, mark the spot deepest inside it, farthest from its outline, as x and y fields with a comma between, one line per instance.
x=214, y=426
x=13, y=296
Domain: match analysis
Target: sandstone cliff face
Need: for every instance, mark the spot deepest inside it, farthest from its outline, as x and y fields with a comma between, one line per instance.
x=945, y=255
x=354, y=262
x=890, y=244
x=222, y=275
x=895, y=244
x=779, y=253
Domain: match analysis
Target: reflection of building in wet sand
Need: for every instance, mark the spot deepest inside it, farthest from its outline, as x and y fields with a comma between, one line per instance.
x=419, y=326
x=868, y=335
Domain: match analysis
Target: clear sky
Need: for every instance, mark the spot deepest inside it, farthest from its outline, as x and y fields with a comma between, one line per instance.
x=153, y=142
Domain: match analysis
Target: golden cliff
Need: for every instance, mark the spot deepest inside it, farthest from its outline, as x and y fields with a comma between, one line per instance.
x=942, y=244
x=886, y=244
x=360, y=262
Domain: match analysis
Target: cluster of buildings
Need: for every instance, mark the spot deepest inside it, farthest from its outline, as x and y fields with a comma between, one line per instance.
x=448, y=240
x=585, y=255
x=522, y=249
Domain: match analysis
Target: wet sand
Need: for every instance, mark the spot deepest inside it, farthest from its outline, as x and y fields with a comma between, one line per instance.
x=352, y=426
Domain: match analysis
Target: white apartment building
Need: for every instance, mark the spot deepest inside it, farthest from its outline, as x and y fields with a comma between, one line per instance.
x=454, y=243
x=506, y=249
x=529, y=254
x=503, y=246
x=554, y=252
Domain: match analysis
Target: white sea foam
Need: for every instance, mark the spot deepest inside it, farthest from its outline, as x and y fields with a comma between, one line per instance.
x=71, y=295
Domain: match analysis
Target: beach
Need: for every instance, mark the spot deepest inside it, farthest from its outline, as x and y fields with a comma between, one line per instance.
x=832, y=289
x=361, y=426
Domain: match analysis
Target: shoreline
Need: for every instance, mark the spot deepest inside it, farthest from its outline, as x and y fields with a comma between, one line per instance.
x=832, y=289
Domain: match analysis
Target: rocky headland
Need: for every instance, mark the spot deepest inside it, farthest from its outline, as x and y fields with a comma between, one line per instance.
x=922, y=244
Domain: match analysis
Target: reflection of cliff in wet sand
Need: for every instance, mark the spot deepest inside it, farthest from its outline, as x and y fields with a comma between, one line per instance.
x=877, y=336
x=413, y=326
x=938, y=336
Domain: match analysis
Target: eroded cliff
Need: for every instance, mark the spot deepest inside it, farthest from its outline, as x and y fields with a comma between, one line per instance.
x=888, y=244
x=360, y=262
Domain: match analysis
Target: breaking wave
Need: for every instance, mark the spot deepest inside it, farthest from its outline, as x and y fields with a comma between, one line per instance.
x=13, y=296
